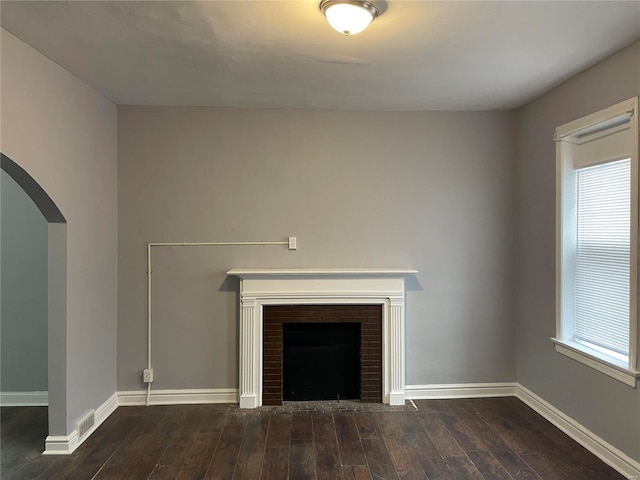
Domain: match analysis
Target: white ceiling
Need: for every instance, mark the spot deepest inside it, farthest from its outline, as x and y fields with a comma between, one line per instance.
x=417, y=55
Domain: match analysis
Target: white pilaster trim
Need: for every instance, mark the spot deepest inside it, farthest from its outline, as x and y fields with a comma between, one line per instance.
x=65, y=445
x=609, y=454
x=179, y=396
x=250, y=354
x=461, y=390
x=24, y=399
x=395, y=341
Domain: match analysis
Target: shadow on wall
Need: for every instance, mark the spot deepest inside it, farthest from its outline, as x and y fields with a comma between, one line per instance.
x=54, y=290
x=24, y=298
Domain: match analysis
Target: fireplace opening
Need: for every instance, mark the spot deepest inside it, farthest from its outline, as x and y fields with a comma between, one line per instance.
x=321, y=361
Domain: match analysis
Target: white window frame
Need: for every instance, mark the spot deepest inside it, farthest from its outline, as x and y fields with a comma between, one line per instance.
x=568, y=140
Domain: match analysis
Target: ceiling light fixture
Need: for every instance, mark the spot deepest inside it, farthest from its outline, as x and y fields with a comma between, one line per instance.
x=349, y=16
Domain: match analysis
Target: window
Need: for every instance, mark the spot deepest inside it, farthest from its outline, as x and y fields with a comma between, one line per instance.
x=597, y=240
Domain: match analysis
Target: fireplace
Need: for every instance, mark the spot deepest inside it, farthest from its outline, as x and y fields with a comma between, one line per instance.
x=382, y=289
x=322, y=352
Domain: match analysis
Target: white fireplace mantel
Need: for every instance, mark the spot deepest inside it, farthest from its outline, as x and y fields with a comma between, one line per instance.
x=332, y=286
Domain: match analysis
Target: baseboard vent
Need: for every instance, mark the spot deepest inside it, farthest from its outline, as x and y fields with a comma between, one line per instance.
x=85, y=424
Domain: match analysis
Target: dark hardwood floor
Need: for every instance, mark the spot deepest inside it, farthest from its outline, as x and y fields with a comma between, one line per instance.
x=496, y=438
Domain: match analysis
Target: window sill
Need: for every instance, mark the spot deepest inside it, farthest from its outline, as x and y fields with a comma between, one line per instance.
x=585, y=356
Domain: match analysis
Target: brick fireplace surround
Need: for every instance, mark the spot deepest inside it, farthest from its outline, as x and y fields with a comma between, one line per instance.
x=368, y=316
x=382, y=289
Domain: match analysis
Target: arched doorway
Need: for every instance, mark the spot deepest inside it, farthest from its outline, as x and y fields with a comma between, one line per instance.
x=56, y=291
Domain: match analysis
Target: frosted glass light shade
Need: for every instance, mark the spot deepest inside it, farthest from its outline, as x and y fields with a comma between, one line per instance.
x=349, y=17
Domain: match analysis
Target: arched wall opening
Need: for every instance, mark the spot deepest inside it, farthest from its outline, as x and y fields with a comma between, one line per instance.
x=56, y=293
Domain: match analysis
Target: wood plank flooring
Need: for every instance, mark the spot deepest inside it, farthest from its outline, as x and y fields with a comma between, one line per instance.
x=491, y=439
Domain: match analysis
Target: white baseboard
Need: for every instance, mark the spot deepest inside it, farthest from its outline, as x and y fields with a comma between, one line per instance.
x=184, y=396
x=61, y=445
x=104, y=410
x=461, y=390
x=64, y=445
x=585, y=437
x=24, y=399
x=609, y=454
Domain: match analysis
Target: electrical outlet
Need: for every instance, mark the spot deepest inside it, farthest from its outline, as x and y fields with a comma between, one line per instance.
x=293, y=243
x=147, y=375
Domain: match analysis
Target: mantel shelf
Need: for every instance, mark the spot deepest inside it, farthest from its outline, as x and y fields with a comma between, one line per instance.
x=323, y=272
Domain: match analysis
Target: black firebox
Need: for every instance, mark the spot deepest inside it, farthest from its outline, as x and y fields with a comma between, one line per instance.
x=321, y=361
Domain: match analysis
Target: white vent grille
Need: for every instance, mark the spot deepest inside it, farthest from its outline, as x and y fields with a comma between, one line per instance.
x=85, y=424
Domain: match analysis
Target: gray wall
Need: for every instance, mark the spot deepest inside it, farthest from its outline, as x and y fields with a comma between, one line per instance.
x=23, y=289
x=430, y=191
x=605, y=406
x=63, y=134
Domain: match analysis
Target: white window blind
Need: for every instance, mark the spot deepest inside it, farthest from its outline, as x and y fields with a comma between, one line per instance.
x=602, y=262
